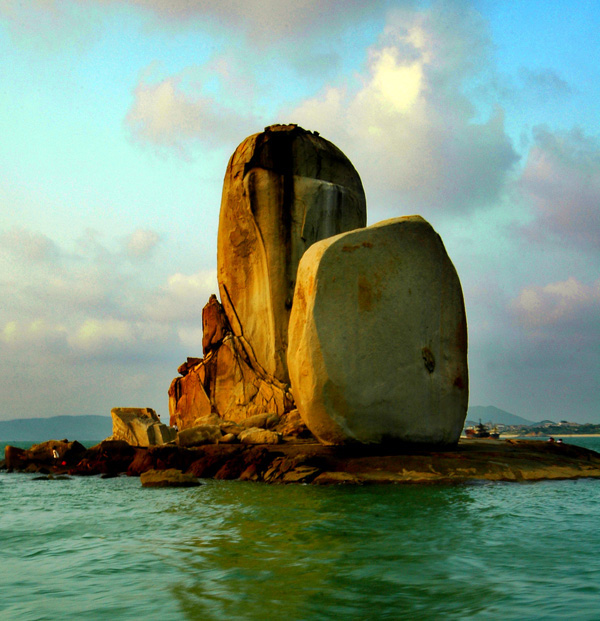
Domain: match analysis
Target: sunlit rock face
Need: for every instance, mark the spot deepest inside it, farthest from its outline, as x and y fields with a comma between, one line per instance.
x=378, y=337
x=284, y=189
x=228, y=383
x=140, y=427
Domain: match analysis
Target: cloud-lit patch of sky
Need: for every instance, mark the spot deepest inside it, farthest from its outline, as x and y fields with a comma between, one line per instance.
x=118, y=118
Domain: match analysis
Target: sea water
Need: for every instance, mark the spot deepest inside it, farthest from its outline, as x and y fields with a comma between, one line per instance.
x=91, y=548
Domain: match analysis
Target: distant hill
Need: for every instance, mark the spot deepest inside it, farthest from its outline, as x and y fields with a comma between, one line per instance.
x=82, y=428
x=489, y=413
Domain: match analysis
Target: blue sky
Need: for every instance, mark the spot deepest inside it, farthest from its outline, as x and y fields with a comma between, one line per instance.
x=117, y=120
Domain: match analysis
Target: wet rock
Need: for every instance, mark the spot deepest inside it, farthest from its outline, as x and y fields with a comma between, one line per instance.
x=301, y=474
x=161, y=458
x=110, y=456
x=336, y=478
x=15, y=458
x=378, y=338
x=168, y=478
x=211, y=458
x=42, y=456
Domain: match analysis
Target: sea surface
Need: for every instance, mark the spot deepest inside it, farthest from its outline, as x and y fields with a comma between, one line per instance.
x=89, y=548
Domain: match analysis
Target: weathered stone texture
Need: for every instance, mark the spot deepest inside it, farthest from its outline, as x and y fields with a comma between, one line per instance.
x=214, y=325
x=140, y=427
x=378, y=337
x=284, y=189
x=228, y=383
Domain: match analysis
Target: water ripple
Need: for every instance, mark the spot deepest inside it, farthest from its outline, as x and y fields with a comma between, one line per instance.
x=110, y=549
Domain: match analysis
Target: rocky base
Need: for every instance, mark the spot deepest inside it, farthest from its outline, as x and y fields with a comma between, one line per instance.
x=309, y=462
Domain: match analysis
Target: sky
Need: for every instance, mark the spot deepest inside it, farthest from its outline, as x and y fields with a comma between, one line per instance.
x=118, y=117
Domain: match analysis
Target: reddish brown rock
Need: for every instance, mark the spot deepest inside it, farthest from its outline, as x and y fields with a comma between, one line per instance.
x=190, y=363
x=161, y=458
x=214, y=325
x=108, y=457
x=43, y=455
x=227, y=383
x=15, y=458
x=168, y=478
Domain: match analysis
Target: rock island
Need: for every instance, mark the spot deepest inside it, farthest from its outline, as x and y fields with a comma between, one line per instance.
x=336, y=354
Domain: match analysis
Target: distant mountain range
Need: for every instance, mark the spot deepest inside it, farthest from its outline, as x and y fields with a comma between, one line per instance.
x=92, y=428
x=489, y=413
x=82, y=428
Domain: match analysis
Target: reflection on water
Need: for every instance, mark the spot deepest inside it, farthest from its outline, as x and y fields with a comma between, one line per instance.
x=109, y=549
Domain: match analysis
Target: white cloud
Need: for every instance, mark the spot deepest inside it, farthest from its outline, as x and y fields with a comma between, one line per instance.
x=183, y=298
x=165, y=114
x=141, y=243
x=408, y=128
x=94, y=301
x=39, y=335
x=557, y=305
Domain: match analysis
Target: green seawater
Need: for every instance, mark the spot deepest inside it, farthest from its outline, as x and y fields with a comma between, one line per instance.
x=89, y=548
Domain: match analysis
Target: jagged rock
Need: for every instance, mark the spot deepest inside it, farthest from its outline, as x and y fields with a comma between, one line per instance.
x=378, y=337
x=140, y=427
x=256, y=435
x=201, y=434
x=110, y=456
x=292, y=425
x=284, y=189
x=161, y=458
x=188, y=400
x=228, y=383
x=190, y=363
x=41, y=456
x=168, y=478
x=214, y=325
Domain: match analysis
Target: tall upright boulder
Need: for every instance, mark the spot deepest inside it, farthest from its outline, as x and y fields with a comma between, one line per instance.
x=378, y=337
x=284, y=189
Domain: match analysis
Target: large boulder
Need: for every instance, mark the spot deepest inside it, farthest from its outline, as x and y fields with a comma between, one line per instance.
x=284, y=189
x=378, y=337
x=198, y=435
x=140, y=427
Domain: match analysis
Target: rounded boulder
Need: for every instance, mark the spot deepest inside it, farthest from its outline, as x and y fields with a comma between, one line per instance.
x=378, y=337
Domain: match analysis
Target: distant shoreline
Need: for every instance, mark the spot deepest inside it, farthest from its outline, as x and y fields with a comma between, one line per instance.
x=562, y=435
